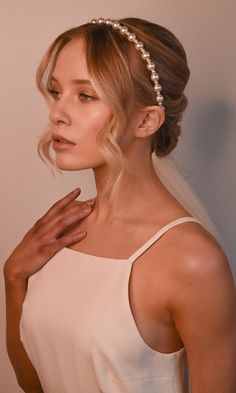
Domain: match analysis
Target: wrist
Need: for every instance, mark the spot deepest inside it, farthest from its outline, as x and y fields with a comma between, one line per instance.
x=13, y=276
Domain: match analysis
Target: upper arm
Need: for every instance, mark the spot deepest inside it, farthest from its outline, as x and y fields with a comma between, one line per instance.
x=203, y=305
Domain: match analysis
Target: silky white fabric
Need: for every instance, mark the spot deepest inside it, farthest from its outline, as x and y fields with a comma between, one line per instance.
x=79, y=332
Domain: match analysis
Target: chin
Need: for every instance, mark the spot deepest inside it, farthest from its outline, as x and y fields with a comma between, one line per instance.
x=68, y=165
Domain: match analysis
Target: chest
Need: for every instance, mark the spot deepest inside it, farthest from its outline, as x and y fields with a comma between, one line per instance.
x=71, y=288
x=77, y=310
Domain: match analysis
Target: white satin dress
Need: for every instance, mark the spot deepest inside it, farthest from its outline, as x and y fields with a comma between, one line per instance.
x=79, y=332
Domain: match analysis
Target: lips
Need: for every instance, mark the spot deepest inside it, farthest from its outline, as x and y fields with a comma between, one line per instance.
x=61, y=139
x=61, y=144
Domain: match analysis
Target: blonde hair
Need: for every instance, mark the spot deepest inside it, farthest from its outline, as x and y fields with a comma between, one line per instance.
x=124, y=81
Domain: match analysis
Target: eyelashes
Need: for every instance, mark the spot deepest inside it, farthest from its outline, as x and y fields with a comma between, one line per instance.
x=86, y=97
x=82, y=96
x=53, y=93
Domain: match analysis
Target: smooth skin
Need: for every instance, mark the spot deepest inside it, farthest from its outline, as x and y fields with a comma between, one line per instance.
x=181, y=290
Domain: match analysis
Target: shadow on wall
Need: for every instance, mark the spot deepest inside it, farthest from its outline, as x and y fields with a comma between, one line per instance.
x=213, y=124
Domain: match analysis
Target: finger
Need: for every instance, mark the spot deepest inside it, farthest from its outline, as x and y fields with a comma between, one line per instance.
x=70, y=239
x=63, y=202
x=49, y=228
x=90, y=202
x=62, y=223
x=74, y=209
x=78, y=204
x=50, y=249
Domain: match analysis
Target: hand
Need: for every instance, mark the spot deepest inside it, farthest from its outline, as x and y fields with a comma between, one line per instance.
x=46, y=237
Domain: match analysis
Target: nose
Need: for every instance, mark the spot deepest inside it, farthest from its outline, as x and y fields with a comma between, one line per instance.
x=58, y=114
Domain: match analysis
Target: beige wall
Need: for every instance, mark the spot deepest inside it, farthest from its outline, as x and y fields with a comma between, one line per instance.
x=207, y=148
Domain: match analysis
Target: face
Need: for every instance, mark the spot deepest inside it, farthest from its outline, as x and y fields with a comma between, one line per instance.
x=77, y=114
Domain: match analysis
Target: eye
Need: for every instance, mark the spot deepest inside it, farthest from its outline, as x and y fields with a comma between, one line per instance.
x=53, y=93
x=85, y=97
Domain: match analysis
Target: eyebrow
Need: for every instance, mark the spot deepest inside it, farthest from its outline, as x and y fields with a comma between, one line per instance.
x=74, y=81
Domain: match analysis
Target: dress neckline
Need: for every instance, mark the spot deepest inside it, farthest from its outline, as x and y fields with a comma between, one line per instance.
x=95, y=256
x=145, y=246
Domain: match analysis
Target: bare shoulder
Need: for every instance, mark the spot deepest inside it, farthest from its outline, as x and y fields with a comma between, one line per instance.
x=197, y=253
x=199, y=279
x=201, y=282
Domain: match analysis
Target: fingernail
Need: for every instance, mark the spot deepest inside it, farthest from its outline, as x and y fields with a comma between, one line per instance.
x=90, y=202
x=76, y=190
x=81, y=234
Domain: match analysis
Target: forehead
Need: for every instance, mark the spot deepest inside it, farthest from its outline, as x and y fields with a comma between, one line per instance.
x=71, y=62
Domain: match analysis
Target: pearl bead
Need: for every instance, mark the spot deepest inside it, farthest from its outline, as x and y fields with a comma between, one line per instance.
x=160, y=98
x=101, y=20
x=108, y=21
x=116, y=25
x=123, y=29
x=139, y=45
x=145, y=55
x=151, y=66
x=154, y=77
x=157, y=88
x=94, y=21
x=131, y=37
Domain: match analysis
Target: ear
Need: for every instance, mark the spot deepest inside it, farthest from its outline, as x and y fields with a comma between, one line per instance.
x=150, y=120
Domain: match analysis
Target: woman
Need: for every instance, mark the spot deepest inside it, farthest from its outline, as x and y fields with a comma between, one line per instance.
x=127, y=293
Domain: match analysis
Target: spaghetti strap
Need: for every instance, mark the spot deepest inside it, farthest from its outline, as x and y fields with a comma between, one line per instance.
x=161, y=232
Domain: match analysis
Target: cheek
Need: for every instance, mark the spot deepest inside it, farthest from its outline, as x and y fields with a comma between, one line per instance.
x=92, y=120
x=86, y=154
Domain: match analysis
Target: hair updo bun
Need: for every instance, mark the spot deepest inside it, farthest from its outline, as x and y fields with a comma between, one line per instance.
x=166, y=139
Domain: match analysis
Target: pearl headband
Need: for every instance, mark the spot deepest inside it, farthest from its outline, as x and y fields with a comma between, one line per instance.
x=144, y=54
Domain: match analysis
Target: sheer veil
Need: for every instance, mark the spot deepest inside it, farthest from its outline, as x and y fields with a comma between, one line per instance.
x=172, y=178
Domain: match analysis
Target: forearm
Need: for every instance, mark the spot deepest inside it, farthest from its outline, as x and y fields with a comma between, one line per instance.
x=25, y=372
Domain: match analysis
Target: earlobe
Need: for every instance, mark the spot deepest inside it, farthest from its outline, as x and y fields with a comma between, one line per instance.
x=151, y=119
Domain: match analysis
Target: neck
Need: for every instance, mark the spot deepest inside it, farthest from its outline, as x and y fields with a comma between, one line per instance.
x=138, y=188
